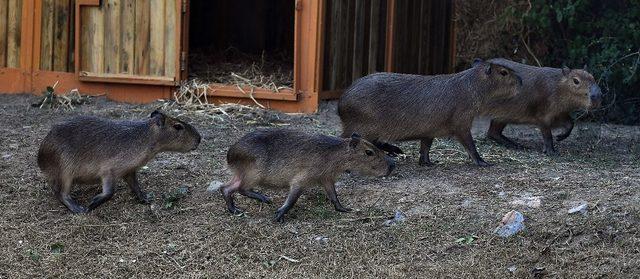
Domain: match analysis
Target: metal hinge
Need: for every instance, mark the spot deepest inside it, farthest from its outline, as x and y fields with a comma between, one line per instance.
x=183, y=60
x=184, y=6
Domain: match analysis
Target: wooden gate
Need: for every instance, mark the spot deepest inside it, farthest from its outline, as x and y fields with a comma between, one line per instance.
x=15, y=52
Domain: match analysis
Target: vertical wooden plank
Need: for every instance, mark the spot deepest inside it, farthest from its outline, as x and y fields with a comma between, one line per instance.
x=156, y=38
x=92, y=42
x=112, y=36
x=425, y=38
x=337, y=19
x=60, y=48
x=3, y=33
x=390, y=30
x=127, y=33
x=358, y=40
x=14, y=24
x=46, y=35
x=72, y=36
x=141, y=47
x=170, y=38
x=374, y=38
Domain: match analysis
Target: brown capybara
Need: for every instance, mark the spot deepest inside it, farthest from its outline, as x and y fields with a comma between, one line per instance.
x=548, y=97
x=280, y=158
x=90, y=150
x=387, y=107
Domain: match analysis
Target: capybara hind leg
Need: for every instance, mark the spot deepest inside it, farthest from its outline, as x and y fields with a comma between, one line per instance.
x=425, y=146
x=389, y=148
x=132, y=181
x=495, y=134
x=547, y=136
x=330, y=189
x=293, y=196
x=466, y=140
x=64, y=195
x=227, y=192
x=254, y=195
x=107, y=193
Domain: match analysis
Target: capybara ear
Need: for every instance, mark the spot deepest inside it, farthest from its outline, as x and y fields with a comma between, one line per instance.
x=159, y=117
x=565, y=70
x=355, y=139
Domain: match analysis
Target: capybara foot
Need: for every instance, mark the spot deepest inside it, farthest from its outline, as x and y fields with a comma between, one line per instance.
x=279, y=216
x=483, y=163
x=341, y=208
x=425, y=161
x=506, y=142
x=551, y=152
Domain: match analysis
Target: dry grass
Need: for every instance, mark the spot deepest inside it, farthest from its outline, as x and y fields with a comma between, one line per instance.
x=196, y=237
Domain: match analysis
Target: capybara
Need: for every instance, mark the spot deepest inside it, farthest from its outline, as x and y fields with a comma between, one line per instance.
x=90, y=150
x=278, y=158
x=548, y=97
x=387, y=107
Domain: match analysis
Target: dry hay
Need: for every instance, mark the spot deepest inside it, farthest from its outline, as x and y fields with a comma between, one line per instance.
x=56, y=101
x=231, y=66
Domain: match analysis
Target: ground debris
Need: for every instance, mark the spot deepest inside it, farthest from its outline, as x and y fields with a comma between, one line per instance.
x=582, y=207
x=397, y=219
x=511, y=223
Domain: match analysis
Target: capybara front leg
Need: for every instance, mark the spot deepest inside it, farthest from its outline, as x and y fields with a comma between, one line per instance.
x=255, y=195
x=566, y=130
x=293, y=196
x=425, y=146
x=466, y=140
x=547, y=136
x=495, y=133
x=107, y=193
x=330, y=189
x=132, y=180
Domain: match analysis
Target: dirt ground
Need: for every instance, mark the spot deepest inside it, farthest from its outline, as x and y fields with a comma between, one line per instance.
x=193, y=236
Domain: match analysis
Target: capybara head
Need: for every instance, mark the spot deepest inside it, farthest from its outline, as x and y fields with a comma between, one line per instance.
x=174, y=134
x=581, y=88
x=503, y=81
x=365, y=158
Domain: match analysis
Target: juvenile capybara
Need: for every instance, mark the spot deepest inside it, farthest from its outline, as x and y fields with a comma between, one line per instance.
x=90, y=150
x=548, y=97
x=387, y=107
x=278, y=158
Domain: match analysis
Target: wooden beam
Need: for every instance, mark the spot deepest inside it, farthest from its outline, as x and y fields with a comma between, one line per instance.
x=391, y=10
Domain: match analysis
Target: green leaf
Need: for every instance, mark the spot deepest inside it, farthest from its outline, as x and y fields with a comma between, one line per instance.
x=57, y=248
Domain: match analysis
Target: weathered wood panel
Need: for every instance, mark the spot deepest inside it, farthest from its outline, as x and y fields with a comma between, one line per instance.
x=128, y=21
x=46, y=36
x=130, y=37
x=61, y=35
x=112, y=33
x=156, y=37
x=3, y=32
x=14, y=23
x=141, y=55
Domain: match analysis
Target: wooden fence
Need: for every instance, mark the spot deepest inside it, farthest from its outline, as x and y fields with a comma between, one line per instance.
x=10, y=31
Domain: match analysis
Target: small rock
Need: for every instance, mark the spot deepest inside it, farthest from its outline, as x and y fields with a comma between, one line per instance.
x=533, y=202
x=512, y=268
x=398, y=218
x=582, y=208
x=321, y=239
x=214, y=186
x=511, y=223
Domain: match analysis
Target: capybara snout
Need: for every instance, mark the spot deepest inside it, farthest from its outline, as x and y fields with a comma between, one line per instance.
x=595, y=95
x=367, y=159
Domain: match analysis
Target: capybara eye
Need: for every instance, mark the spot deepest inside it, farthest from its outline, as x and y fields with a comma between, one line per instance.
x=576, y=81
x=504, y=72
x=369, y=152
x=178, y=126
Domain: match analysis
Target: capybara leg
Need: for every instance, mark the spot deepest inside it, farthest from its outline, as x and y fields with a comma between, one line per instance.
x=228, y=190
x=132, y=180
x=254, y=195
x=389, y=148
x=425, y=146
x=64, y=195
x=567, y=130
x=466, y=140
x=547, y=136
x=495, y=133
x=293, y=196
x=330, y=188
x=107, y=193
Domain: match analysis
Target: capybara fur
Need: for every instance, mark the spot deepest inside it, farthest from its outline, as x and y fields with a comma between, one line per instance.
x=386, y=107
x=278, y=158
x=90, y=150
x=548, y=97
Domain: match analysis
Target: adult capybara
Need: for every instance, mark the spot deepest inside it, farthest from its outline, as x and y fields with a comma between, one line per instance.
x=89, y=150
x=288, y=158
x=387, y=107
x=548, y=97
